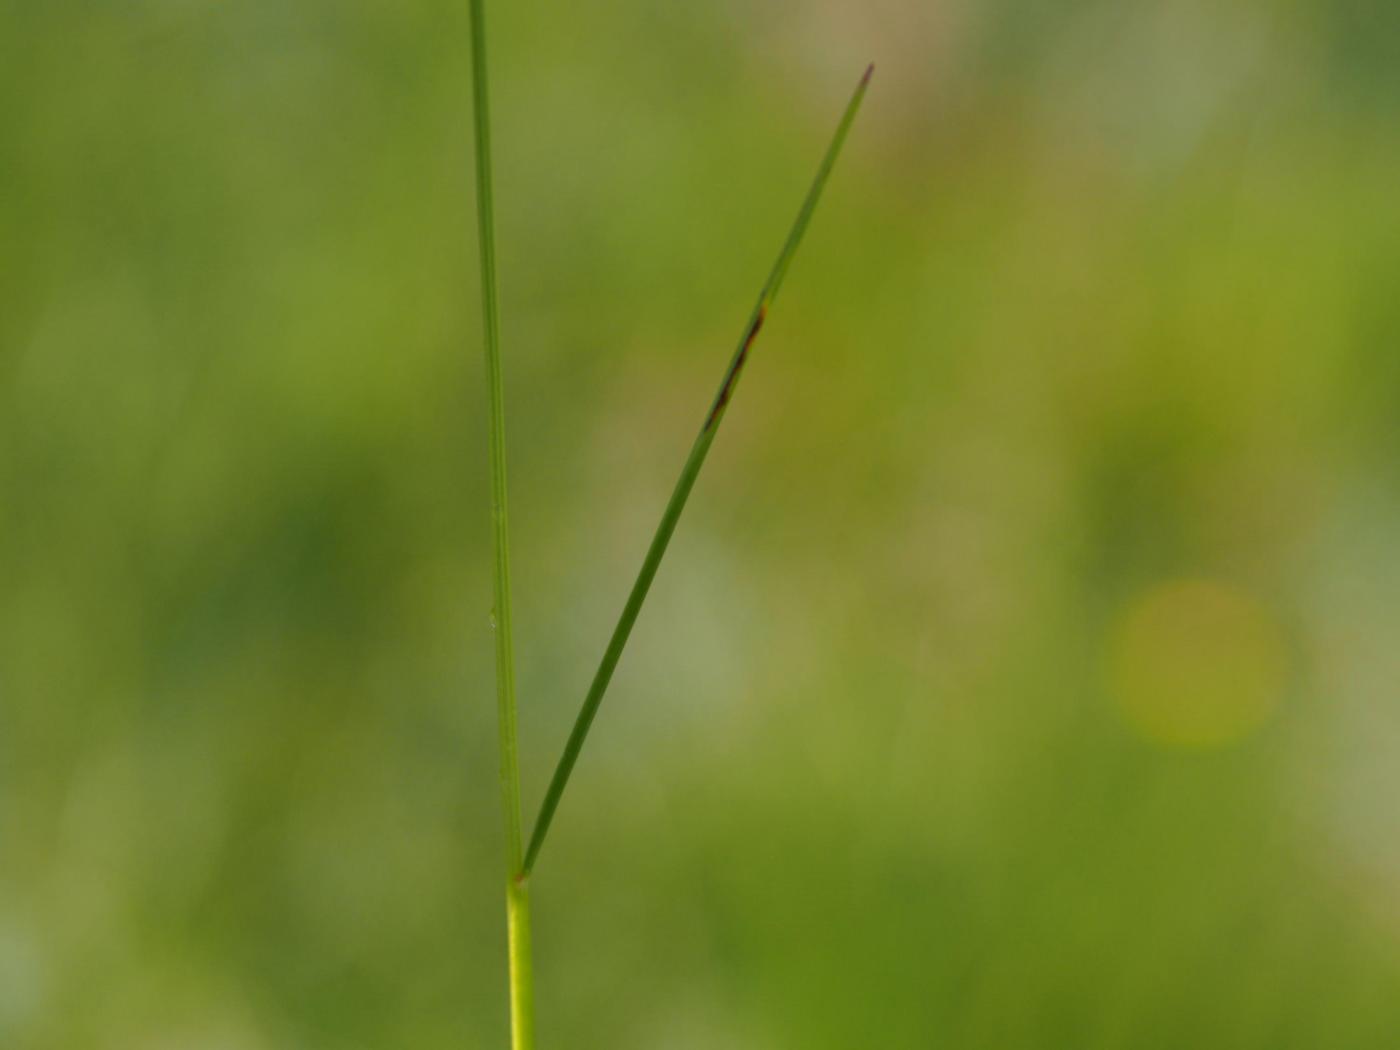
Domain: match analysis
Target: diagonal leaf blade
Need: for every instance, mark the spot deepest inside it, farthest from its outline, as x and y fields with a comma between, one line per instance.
x=689, y=472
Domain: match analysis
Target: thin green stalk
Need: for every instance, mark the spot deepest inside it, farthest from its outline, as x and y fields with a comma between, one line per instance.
x=671, y=515
x=517, y=890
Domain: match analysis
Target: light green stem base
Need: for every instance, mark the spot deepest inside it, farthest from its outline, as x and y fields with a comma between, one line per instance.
x=522, y=984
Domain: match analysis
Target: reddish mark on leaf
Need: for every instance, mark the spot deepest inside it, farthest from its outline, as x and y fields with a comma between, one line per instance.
x=732, y=377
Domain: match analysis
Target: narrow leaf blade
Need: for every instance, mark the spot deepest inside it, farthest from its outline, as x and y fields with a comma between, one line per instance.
x=689, y=472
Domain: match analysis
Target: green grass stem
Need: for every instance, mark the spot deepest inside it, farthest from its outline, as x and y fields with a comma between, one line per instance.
x=521, y=974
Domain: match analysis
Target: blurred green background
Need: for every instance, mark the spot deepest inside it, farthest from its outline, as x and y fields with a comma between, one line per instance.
x=1025, y=672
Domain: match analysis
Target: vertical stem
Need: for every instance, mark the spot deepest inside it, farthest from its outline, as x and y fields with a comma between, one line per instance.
x=517, y=891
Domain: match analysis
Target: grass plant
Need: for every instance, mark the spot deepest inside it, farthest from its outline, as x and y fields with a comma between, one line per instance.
x=520, y=857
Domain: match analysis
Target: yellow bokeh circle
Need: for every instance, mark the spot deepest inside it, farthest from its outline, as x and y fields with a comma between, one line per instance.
x=1197, y=664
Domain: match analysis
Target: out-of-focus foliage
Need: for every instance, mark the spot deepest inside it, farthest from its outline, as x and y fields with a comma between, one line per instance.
x=1024, y=674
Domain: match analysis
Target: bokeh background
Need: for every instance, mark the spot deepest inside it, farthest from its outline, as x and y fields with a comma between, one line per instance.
x=1025, y=672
